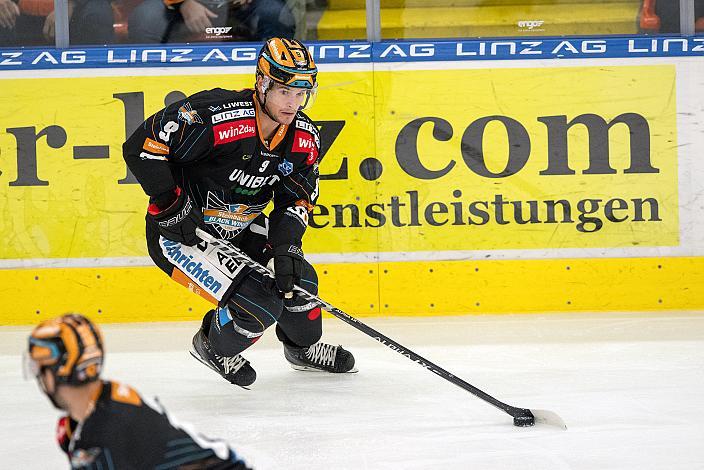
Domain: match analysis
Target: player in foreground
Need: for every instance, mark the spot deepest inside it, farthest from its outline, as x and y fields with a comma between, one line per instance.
x=108, y=424
x=214, y=161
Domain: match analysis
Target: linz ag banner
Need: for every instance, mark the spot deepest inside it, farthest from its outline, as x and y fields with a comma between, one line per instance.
x=424, y=160
x=203, y=55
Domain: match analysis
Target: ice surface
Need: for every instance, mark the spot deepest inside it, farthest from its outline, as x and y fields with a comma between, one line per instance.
x=629, y=386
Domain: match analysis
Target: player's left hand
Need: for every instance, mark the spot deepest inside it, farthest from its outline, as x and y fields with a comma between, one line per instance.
x=288, y=266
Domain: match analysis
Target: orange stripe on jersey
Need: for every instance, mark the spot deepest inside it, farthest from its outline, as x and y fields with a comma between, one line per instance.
x=280, y=131
x=178, y=276
x=122, y=393
x=278, y=137
x=300, y=186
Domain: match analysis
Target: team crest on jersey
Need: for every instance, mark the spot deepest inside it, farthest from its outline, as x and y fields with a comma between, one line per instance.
x=286, y=167
x=229, y=219
x=188, y=115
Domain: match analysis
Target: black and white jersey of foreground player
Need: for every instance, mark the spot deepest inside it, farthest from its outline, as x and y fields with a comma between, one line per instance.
x=108, y=425
x=126, y=431
x=214, y=161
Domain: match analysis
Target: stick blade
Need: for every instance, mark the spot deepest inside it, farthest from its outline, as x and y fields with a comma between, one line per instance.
x=549, y=418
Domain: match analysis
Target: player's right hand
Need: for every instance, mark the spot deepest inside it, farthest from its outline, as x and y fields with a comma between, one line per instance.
x=179, y=221
x=288, y=267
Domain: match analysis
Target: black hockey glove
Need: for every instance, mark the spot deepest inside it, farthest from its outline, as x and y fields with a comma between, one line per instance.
x=178, y=220
x=288, y=267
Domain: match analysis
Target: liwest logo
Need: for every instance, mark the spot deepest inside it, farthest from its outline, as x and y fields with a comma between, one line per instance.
x=306, y=143
x=232, y=131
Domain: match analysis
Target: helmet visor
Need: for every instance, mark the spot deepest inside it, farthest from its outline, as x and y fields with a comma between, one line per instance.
x=311, y=95
x=30, y=368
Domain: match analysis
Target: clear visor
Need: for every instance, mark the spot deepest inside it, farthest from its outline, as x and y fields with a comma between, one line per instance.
x=311, y=95
x=30, y=368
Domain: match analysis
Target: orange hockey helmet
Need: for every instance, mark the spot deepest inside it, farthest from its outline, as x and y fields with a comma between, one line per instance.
x=288, y=62
x=70, y=346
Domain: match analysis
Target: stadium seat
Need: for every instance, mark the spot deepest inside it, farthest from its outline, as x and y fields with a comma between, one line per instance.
x=346, y=19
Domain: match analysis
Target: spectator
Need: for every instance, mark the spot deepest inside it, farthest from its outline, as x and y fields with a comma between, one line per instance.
x=32, y=22
x=164, y=21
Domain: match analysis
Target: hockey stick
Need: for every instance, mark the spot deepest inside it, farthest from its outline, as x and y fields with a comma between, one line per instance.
x=521, y=416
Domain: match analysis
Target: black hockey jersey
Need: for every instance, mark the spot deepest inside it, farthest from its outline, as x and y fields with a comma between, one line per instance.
x=209, y=145
x=127, y=433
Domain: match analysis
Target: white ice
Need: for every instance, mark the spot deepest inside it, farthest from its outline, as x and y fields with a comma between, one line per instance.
x=630, y=387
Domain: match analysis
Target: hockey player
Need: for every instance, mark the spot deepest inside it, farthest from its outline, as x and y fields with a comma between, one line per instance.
x=109, y=425
x=214, y=161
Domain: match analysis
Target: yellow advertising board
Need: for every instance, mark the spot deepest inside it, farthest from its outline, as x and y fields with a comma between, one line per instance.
x=64, y=188
x=506, y=158
x=414, y=161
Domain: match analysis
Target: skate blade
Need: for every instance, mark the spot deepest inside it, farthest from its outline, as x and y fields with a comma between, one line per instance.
x=197, y=357
x=314, y=369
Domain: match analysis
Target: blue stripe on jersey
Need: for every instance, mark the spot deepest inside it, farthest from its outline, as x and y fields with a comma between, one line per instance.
x=108, y=459
x=193, y=447
x=191, y=458
x=283, y=183
x=260, y=307
x=194, y=142
x=161, y=121
x=179, y=441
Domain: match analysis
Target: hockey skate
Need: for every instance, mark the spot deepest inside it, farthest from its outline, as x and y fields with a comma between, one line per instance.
x=234, y=369
x=320, y=357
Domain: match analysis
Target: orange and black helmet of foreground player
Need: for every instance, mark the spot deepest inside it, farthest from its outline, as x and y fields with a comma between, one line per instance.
x=287, y=62
x=70, y=346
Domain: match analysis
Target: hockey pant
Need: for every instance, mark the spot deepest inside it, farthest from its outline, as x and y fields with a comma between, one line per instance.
x=247, y=302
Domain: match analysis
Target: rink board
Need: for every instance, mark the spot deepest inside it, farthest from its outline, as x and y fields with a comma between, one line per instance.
x=480, y=186
x=137, y=294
